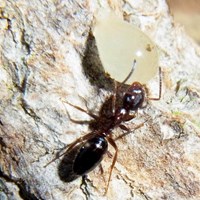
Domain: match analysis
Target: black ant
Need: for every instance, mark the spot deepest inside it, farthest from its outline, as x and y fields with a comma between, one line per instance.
x=83, y=155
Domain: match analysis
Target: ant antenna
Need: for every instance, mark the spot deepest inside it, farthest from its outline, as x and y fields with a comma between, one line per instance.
x=130, y=73
x=118, y=87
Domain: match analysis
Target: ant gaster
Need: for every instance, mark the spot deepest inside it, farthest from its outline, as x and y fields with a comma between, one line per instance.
x=83, y=155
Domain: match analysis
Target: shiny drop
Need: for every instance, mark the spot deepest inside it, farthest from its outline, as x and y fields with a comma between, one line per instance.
x=119, y=43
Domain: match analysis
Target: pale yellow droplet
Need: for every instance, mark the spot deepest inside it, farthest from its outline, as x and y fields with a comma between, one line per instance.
x=119, y=43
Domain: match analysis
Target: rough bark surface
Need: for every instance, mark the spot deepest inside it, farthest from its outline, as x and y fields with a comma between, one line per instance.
x=43, y=63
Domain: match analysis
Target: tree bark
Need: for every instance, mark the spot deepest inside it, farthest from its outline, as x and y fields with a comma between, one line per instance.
x=47, y=58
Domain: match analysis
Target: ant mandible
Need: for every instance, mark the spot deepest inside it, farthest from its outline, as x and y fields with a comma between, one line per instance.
x=83, y=155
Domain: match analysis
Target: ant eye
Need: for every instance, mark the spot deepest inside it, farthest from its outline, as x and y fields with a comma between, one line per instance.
x=134, y=97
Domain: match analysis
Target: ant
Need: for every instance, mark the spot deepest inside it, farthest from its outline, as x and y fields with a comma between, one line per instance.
x=83, y=155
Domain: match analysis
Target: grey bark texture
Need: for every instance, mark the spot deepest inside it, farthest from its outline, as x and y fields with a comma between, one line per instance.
x=45, y=61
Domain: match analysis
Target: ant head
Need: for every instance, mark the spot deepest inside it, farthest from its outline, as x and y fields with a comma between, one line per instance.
x=134, y=97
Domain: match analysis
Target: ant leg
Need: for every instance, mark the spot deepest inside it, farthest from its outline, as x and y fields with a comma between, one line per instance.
x=127, y=118
x=82, y=110
x=55, y=158
x=58, y=155
x=112, y=142
x=86, y=103
x=69, y=147
x=129, y=131
x=123, y=127
x=83, y=185
x=130, y=73
x=160, y=88
x=78, y=121
x=109, y=154
x=101, y=171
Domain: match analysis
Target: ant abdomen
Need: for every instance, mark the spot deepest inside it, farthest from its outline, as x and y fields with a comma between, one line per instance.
x=82, y=157
x=134, y=97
